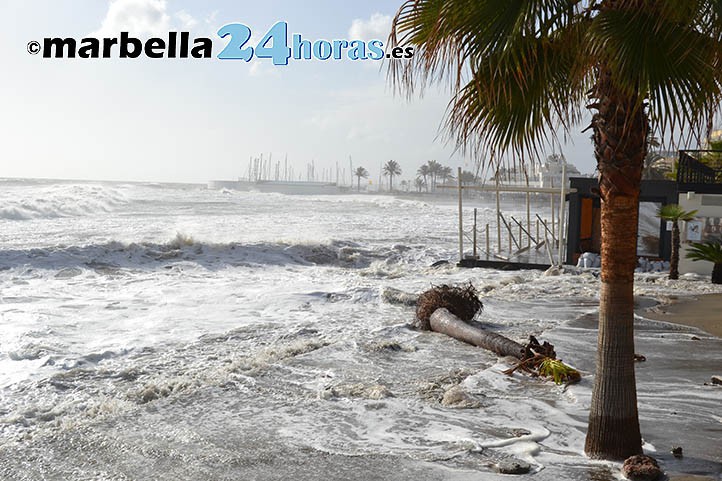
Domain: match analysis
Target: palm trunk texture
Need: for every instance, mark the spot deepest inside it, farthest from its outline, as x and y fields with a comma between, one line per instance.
x=674, y=257
x=717, y=273
x=445, y=322
x=620, y=130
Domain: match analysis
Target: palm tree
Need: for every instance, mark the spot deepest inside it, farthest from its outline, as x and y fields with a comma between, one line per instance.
x=419, y=183
x=434, y=170
x=358, y=173
x=710, y=252
x=392, y=168
x=445, y=174
x=674, y=213
x=424, y=172
x=519, y=71
x=467, y=177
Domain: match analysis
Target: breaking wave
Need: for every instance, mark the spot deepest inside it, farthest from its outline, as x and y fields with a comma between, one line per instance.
x=56, y=201
x=69, y=261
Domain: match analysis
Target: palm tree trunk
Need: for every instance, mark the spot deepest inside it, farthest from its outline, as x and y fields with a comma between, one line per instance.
x=445, y=322
x=717, y=273
x=674, y=256
x=358, y=184
x=620, y=131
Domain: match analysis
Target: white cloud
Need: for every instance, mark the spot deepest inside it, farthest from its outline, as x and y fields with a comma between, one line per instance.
x=138, y=17
x=143, y=18
x=376, y=27
x=187, y=20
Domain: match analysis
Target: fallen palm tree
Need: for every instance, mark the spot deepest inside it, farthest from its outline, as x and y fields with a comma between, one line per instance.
x=449, y=309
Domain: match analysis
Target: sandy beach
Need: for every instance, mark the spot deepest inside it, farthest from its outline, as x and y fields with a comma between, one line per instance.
x=701, y=311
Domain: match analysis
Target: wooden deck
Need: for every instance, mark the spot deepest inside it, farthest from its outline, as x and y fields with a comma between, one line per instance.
x=502, y=265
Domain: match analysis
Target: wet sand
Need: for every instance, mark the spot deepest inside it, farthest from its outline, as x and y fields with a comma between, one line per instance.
x=702, y=311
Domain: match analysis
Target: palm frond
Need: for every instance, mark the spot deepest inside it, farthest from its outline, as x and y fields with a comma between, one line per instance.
x=558, y=371
x=705, y=251
x=675, y=212
x=507, y=62
x=519, y=71
x=665, y=53
x=361, y=172
x=392, y=168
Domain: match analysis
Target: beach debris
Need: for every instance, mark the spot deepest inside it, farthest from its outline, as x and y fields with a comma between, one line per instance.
x=356, y=390
x=553, y=271
x=512, y=466
x=445, y=322
x=434, y=389
x=589, y=260
x=639, y=358
x=540, y=360
x=558, y=371
x=717, y=380
x=694, y=338
x=390, y=346
x=641, y=467
x=646, y=265
x=448, y=310
x=440, y=263
x=677, y=452
x=462, y=301
x=397, y=296
x=456, y=397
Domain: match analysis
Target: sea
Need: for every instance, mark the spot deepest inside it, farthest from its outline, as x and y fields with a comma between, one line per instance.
x=155, y=331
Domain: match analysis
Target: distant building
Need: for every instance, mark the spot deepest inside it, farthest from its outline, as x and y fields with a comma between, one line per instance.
x=550, y=173
x=545, y=174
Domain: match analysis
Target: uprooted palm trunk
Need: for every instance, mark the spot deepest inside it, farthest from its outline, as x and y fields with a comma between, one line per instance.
x=445, y=322
x=448, y=309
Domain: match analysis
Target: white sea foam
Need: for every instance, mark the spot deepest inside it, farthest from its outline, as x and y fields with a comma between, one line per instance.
x=50, y=201
x=265, y=317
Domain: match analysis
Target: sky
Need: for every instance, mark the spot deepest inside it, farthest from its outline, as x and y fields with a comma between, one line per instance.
x=193, y=120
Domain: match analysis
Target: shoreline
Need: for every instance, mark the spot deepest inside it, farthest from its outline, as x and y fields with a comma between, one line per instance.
x=703, y=311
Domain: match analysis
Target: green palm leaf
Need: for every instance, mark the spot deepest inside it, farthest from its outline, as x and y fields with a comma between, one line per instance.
x=706, y=251
x=675, y=212
x=519, y=70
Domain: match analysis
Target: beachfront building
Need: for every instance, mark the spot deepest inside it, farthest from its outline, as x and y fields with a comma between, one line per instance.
x=584, y=232
x=551, y=171
x=700, y=179
x=538, y=174
x=697, y=187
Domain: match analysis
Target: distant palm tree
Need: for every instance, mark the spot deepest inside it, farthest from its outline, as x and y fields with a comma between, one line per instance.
x=710, y=252
x=360, y=172
x=674, y=213
x=392, y=168
x=445, y=174
x=434, y=170
x=419, y=183
x=424, y=172
x=467, y=177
